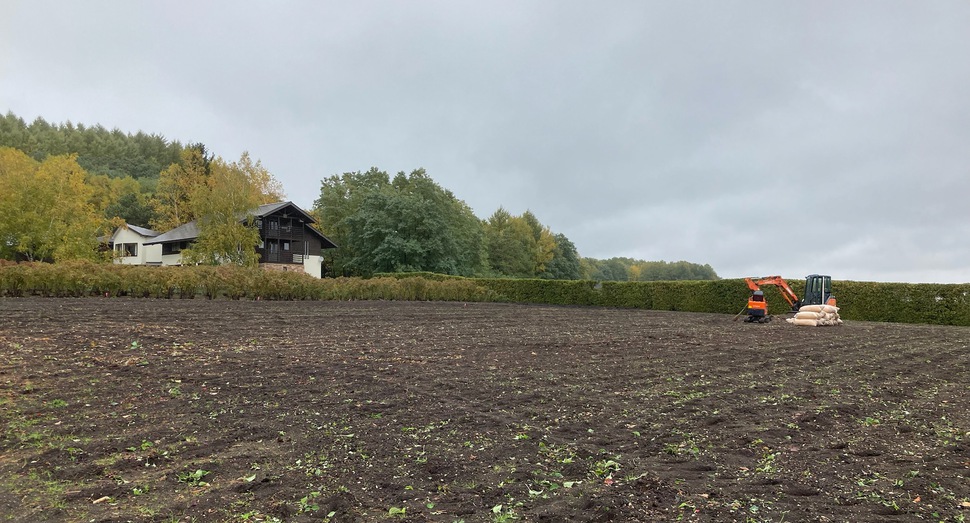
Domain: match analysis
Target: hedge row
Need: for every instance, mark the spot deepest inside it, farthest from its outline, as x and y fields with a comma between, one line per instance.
x=933, y=303
x=93, y=279
x=720, y=296
x=940, y=304
x=868, y=301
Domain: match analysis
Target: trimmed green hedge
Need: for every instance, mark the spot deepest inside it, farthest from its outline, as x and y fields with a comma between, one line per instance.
x=933, y=303
x=720, y=296
x=868, y=301
x=939, y=304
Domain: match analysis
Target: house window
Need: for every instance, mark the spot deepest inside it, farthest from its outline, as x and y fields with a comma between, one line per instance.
x=174, y=248
x=127, y=249
x=286, y=246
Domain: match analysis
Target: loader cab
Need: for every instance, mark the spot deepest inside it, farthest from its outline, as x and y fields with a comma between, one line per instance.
x=818, y=290
x=757, y=308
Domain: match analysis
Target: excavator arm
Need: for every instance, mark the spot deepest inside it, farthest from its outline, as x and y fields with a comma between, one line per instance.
x=786, y=292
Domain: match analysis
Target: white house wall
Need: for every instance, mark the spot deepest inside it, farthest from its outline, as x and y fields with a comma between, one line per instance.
x=146, y=253
x=153, y=254
x=313, y=265
x=169, y=259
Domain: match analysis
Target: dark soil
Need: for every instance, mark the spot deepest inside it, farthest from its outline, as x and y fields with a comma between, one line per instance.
x=166, y=410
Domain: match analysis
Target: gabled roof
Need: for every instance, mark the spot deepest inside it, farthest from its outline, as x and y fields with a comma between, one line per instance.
x=270, y=208
x=148, y=233
x=325, y=243
x=189, y=231
x=141, y=231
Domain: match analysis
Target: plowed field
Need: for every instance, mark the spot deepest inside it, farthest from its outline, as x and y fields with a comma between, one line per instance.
x=190, y=410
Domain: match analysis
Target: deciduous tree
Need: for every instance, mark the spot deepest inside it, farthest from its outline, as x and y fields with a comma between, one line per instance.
x=565, y=264
x=545, y=244
x=341, y=197
x=223, y=206
x=46, y=210
x=629, y=269
x=176, y=186
x=511, y=245
x=268, y=188
x=409, y=223
x=413, y=224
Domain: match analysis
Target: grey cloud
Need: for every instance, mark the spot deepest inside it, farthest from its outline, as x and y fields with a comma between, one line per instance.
x=708, y=132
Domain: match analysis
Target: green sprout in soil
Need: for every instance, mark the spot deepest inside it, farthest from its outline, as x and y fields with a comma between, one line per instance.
x=308, y=503
x=193, y=478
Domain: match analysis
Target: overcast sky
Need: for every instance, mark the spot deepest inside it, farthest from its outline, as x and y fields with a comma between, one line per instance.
x=758, y=137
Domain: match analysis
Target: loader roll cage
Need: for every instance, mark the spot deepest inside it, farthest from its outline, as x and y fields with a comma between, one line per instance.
x=818, y=289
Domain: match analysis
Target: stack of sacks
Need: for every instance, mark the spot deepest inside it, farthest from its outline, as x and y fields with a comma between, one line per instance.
x=817, y=315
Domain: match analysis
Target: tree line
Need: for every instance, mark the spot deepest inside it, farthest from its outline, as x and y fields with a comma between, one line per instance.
x=123, y=165
x=629, y=269
x=54, y=210
x=410, y=223
x=62, y=186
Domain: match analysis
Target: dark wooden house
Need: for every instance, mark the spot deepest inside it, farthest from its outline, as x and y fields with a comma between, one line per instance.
x=287, y=234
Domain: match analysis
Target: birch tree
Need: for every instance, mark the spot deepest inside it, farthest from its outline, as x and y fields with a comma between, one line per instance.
x=46, y=209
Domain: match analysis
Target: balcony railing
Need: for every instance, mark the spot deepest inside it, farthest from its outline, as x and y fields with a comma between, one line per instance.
x=280, y=257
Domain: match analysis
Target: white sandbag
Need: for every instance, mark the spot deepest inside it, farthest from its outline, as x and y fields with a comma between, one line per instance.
x=817, y=315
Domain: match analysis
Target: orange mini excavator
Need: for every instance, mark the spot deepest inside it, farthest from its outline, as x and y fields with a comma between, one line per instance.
x=818, y=291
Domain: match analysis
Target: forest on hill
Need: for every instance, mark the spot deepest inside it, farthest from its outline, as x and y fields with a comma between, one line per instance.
x=87, y=180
